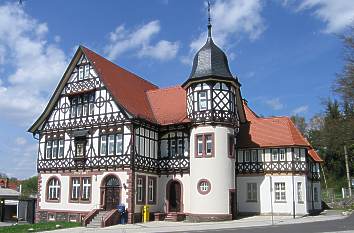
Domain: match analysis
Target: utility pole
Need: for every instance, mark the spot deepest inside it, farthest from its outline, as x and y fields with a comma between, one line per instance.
x=347, y=168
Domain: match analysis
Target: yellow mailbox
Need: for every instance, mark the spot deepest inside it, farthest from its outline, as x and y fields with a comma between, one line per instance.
x=145, y=213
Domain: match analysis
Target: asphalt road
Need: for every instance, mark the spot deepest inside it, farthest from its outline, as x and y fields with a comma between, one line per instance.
x=346, y=224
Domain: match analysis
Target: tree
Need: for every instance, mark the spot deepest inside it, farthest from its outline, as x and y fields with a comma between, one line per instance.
x=344, y=84
x=30, y=186
x=300, y=123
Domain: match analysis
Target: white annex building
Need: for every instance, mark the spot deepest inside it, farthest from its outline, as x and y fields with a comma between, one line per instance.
x=195, y=151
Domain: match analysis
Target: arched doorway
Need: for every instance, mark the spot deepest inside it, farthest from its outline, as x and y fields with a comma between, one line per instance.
x=111, y=192
x=174, y=196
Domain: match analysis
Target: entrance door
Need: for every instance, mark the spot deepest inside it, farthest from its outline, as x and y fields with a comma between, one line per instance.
x=112, y=193
x=174, y=198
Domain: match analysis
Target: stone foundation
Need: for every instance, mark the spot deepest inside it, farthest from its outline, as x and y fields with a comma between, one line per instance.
x=208, y=217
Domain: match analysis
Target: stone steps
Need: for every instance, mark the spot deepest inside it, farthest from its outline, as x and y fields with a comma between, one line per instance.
x=96, y=221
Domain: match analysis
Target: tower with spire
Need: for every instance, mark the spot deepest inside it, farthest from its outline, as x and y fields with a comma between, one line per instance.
x=214, y=107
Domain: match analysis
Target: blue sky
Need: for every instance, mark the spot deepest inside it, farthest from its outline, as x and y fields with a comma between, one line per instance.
x=284, y=52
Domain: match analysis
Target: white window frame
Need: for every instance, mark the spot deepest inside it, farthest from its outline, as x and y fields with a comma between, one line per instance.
x=48, y=154
x=251, y=192
x=140, y=189
x=111, y=144
x=87, y=71
x=61, y=149
x=200, y=145
x=81, y=72
x=103, y=145
x=254, y=155
x=247, y=154
x=151, y=195
x=282, y=154
x=280, y=192
x=75, y=188
x=53, y=189
x=202, y=101
x=208, y=145
x=86, y=188
x=204, y=186
x=55, y=148
x=119, y=144
x=275, y=155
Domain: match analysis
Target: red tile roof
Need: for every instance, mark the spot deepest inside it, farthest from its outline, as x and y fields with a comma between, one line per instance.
x=271, y=132
x=168, y=105
x=314, y=155
x=128, y=89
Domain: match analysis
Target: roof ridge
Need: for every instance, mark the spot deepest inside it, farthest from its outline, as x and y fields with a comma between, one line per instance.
x=164, y=89
x=120, y=66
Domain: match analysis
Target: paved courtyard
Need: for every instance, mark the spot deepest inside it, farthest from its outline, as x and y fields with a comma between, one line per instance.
x=229, y=226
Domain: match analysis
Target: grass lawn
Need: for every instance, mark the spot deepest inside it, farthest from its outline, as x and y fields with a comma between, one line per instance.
x=45, y=226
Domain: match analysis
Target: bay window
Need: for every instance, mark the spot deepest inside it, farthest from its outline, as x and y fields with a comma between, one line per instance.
x=111, y=144
x=54, y=149
x=174, y=144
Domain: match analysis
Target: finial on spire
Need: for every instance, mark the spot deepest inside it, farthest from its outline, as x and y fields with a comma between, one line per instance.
x=209, y=20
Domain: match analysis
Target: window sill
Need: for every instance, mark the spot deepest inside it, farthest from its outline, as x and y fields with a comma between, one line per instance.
x=53, y=201
x=300, y=202
x=280, y=202
x=252, y=201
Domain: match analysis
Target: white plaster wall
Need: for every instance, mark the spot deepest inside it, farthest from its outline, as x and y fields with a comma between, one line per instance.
x=263, y=204
x=185, y=181
x=64, y=203
x=219, y=170
x=153, y=208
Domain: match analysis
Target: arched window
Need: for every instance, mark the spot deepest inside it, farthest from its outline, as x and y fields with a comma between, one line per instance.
x=53, y=190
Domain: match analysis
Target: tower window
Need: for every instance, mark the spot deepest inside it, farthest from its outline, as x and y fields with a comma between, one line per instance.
x=202, y=101
x=204, y=186
x=204, y=145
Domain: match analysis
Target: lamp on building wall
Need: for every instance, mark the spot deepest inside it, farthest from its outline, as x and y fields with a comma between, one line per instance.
x=124, y=186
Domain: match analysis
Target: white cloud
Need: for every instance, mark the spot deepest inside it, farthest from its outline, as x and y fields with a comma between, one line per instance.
x=138, y=41
x=337, y=14
x=20, y=141
x=232, y=18
x=274, y=103
x=301, y=109
x=33, y=65
x=162, y=50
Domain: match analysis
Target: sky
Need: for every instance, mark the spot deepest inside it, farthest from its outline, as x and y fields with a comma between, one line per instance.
x=285, y=53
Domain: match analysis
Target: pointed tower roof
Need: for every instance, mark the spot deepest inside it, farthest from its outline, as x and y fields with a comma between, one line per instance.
x=210, y=60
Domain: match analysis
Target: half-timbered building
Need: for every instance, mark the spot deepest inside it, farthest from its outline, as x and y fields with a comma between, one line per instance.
x=195, y=151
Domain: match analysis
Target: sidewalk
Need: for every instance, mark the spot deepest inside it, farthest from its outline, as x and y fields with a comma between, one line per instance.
x=159, y=226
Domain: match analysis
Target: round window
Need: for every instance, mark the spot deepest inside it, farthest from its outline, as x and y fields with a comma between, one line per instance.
x=204, y=186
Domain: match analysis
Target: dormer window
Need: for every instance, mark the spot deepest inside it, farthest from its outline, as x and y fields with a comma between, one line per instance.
x=202, y=101
x=82, y=105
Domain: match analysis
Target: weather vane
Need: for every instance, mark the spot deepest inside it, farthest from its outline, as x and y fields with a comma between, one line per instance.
x=209, y=20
